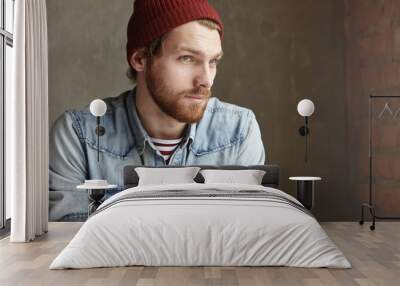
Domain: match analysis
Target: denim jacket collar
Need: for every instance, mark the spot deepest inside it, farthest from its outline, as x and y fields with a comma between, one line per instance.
x=140, y=135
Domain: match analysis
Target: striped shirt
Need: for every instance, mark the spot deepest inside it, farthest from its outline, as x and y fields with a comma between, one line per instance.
x=166, y=146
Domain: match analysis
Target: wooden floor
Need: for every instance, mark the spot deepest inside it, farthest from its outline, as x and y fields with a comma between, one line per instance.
x=375, y=256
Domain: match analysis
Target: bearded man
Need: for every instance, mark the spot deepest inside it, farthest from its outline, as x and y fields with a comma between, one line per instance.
x=168, y=118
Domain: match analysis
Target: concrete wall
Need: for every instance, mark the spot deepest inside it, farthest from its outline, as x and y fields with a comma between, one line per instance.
x=86, y=51
x=276, y=53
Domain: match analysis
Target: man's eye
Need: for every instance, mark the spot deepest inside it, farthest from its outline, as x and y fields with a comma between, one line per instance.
x=214, y=62
x=186, y=59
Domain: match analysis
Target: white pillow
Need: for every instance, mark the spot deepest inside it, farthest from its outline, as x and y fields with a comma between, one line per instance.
x=249, y=177
x=162, y=176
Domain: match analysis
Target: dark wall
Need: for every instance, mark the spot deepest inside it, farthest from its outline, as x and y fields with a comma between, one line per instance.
x=276, y=53
x=372, y=60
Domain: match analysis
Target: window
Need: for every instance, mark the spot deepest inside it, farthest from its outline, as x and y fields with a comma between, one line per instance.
x=6, y=56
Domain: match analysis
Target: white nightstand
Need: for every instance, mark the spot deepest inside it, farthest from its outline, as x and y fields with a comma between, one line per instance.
x=305, y=190
x=96, y=194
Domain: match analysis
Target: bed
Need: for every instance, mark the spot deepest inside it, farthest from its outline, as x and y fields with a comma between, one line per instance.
x=201, y=223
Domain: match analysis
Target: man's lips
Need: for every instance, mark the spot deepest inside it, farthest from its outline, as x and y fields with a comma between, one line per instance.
x=198, y=95
x=195, y=96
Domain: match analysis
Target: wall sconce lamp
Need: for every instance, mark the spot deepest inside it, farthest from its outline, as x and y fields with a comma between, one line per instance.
x=305, y=108
x=98, y=108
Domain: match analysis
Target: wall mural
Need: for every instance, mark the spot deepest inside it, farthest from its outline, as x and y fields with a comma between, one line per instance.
x=274, y=55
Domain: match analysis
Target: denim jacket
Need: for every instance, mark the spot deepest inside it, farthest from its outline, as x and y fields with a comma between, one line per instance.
x=226, y=135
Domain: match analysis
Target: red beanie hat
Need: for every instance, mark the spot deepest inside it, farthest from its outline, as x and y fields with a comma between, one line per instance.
x=153, y=18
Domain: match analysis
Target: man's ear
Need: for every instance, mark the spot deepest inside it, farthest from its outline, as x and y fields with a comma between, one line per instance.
x=138, y=60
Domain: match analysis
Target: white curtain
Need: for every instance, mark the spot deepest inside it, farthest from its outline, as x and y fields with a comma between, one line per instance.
x=27, y=124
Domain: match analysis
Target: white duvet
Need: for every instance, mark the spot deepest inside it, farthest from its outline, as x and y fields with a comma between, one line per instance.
x=182, y=231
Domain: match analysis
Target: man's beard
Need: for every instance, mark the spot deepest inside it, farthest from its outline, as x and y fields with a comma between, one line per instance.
x=174, y=103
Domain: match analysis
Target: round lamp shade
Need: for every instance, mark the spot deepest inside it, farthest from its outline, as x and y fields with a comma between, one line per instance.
x=305, y=107
x=98, y=107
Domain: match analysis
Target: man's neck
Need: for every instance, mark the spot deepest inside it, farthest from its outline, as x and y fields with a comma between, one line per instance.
x=157, y=123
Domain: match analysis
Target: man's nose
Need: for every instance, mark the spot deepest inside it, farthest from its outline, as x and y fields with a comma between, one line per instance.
x=204, y=76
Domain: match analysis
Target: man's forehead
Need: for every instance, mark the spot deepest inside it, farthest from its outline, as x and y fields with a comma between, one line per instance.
x=195, y=38
x=195, y=50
